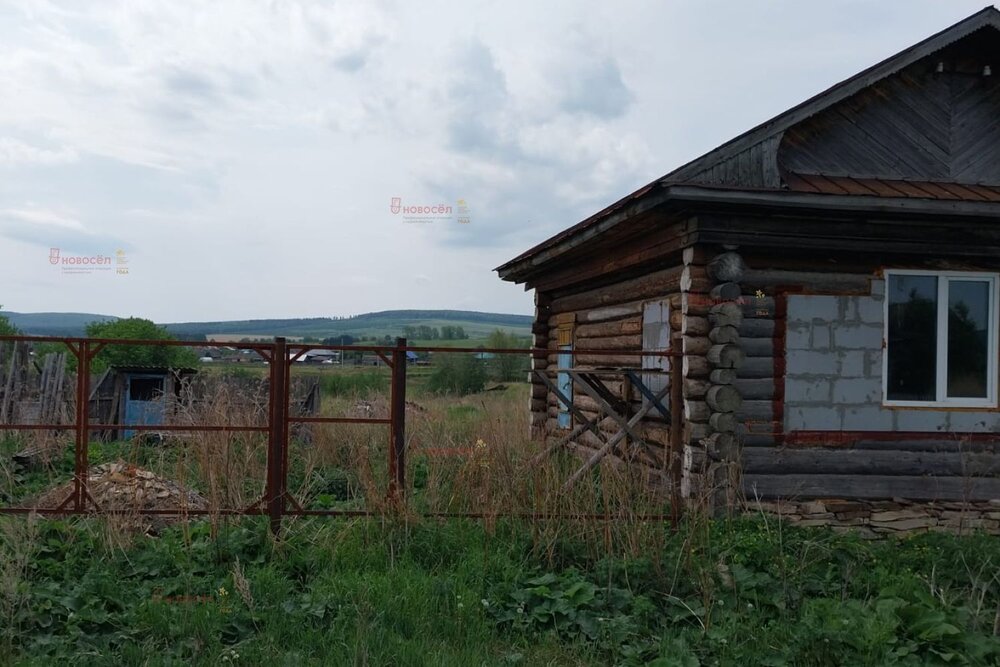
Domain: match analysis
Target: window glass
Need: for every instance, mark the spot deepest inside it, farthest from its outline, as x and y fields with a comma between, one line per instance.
x=912, y=338
x=968, y=338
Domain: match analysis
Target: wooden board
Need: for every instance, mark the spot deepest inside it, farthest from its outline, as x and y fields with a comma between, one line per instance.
x=871, y=487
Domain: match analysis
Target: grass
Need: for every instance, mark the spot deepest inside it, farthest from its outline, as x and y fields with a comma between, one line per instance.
x=384, y=592
x=398, y=589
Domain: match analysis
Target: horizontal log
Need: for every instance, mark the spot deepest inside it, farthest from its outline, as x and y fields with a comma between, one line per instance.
x=871, y=487
x=757, y=306
x=757, y=347
x=695, y=432
x=756, y=439
x=696, y=345
x=630, y=325
x=756, y=411
x=727, y=334
x=697, y=411
x=695, y=367
x=756, y=367
x=789, y=461
x=648, y=285
x=654, y=432
x=611, y=312
x=696, y=388
x=755, y=388
x=758, y=328
x=766, y=279
x=695, y=304
x=539, y=390
x=629, y=342
x=727, y=267
x=695, y=325
x=607, y=361
x=676, y=319
x=695, y=279
x=954, y=444
x=538, y=404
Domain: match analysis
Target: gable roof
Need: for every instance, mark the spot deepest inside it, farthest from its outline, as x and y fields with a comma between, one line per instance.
x=749, y=162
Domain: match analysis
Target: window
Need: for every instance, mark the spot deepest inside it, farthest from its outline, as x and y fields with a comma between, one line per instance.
x=941, y=339
x=564, y=382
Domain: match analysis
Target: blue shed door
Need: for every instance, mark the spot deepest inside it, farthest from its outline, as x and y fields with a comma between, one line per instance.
x=143, y=401
x=565, y=384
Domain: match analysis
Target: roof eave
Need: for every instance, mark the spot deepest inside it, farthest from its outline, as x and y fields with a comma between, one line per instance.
x=519, y=271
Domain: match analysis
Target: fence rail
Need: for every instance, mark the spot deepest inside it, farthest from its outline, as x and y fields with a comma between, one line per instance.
x=276, y=501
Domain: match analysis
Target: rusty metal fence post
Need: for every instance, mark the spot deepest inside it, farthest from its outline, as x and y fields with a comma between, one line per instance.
x=397, y=423
x=277, y=475
x=80, y=450
x=676, y=435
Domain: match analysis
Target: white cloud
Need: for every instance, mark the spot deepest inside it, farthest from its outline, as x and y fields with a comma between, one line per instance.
x=14, y=152
x=41, y=216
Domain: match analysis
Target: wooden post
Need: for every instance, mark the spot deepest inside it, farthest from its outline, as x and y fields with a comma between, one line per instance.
x=277, y=443
x=397, y=423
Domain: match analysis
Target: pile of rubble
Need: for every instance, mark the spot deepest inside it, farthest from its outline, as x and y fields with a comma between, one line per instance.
x=123, y=487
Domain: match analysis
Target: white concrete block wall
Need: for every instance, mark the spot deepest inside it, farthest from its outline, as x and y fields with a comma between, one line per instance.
x=833, y=371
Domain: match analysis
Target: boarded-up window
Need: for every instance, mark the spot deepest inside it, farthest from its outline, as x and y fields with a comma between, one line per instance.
x=655, y=337
x=564, y=335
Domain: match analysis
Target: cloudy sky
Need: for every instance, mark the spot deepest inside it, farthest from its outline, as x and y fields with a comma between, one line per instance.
x=243, y=156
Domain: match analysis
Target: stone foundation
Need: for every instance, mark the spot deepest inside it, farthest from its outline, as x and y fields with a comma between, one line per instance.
x=877, y=519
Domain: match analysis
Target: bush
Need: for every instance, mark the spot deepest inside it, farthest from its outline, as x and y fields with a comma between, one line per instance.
x=509, y=367
x=136, y=328
x=457, y=374
x=349, y=384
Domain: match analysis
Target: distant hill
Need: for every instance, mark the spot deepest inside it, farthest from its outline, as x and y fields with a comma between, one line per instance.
x=54, y=324
x=384, y=323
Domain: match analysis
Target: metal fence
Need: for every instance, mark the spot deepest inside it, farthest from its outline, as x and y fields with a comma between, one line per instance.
x=276, y=501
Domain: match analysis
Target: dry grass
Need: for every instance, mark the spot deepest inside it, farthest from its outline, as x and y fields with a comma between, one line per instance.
x=468, y=455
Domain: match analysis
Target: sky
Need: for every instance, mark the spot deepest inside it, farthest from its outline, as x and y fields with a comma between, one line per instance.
x=186, y=161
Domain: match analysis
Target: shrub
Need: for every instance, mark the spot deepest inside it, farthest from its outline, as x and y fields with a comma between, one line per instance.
x=348, y=384
x=457, y=374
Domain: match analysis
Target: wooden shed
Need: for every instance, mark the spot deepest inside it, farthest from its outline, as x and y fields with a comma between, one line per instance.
x=831, y=277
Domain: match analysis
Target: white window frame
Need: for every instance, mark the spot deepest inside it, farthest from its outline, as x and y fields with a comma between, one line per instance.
x=944, y=278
